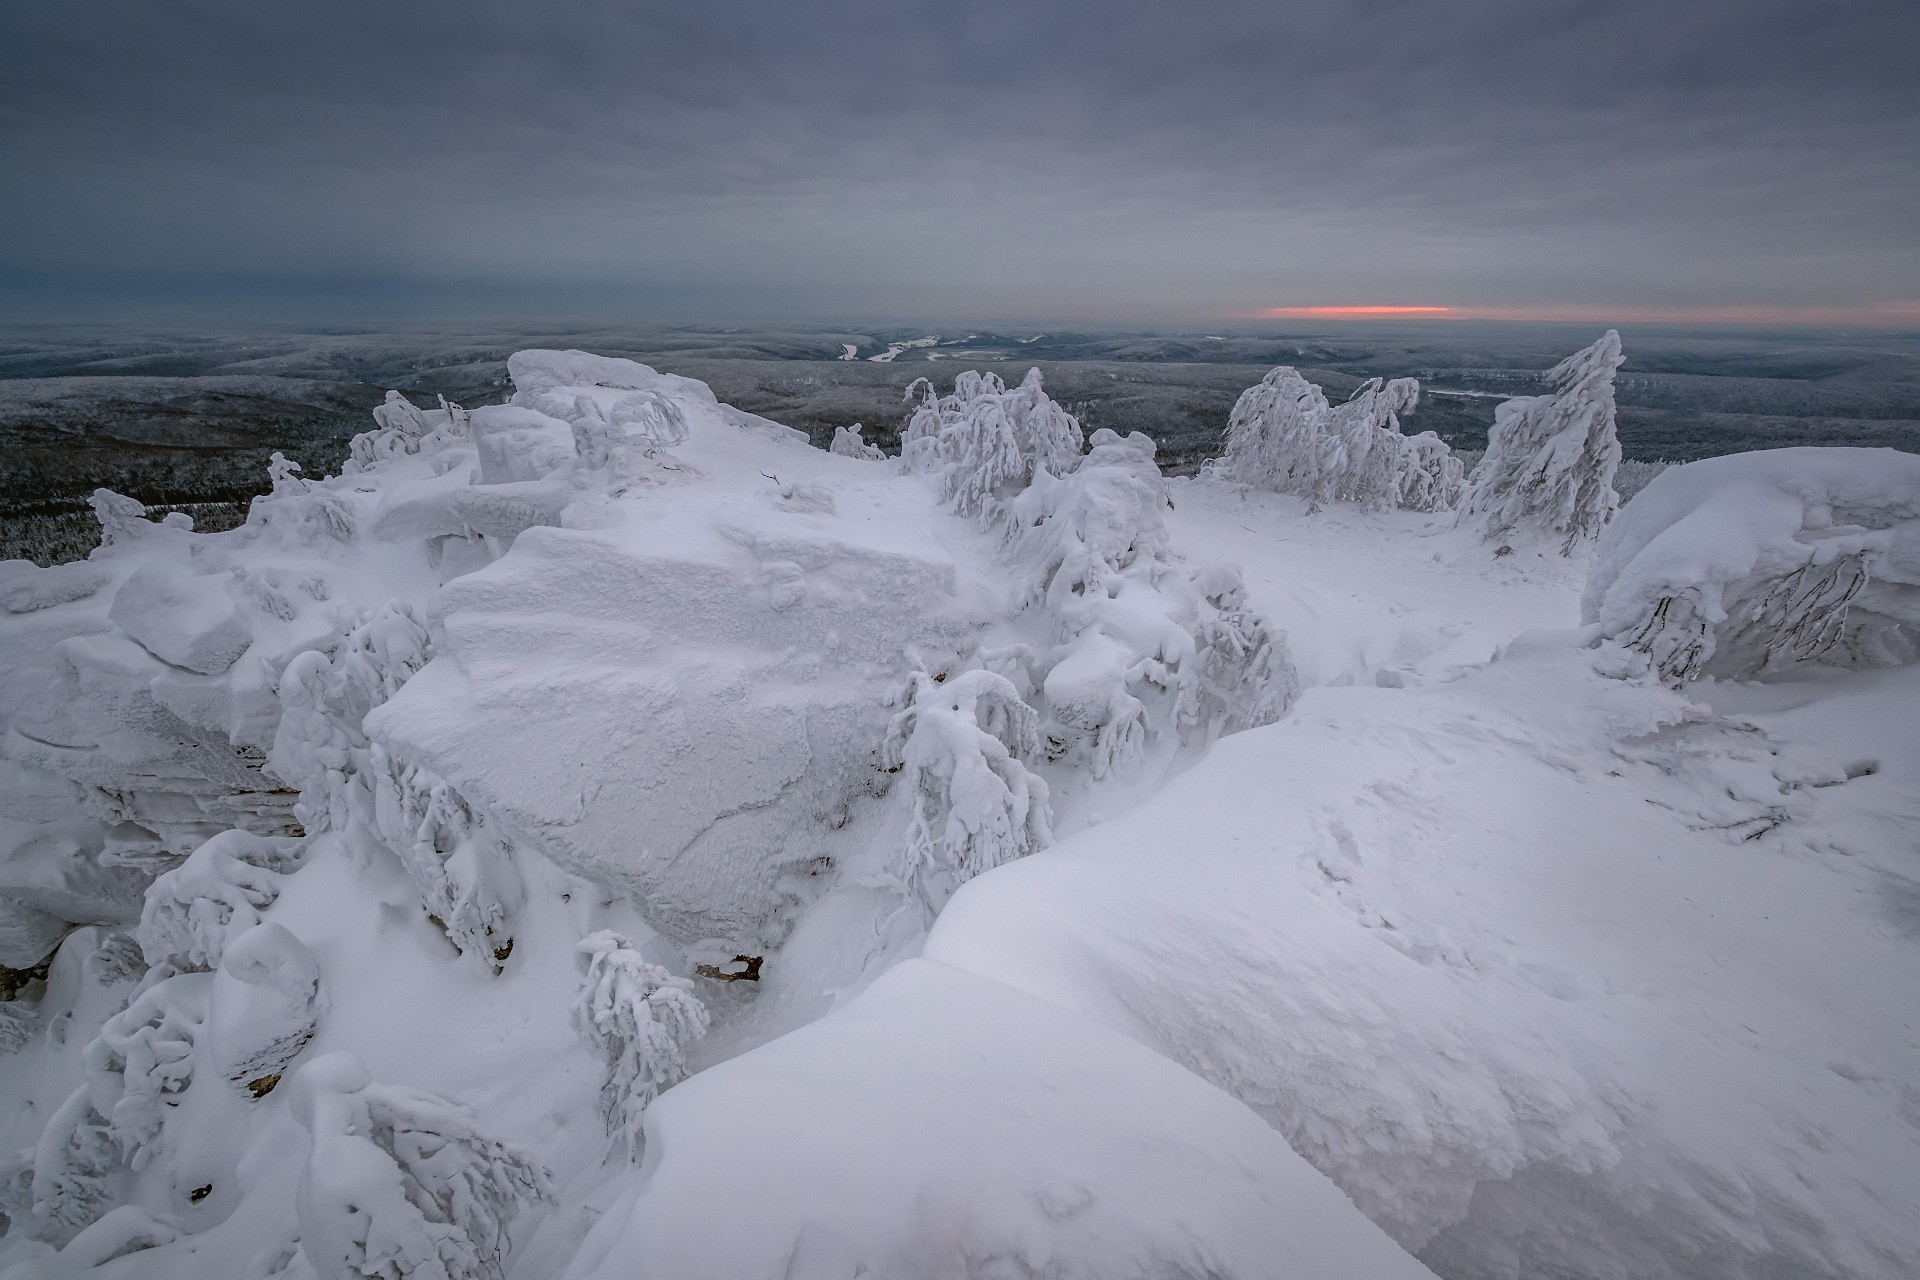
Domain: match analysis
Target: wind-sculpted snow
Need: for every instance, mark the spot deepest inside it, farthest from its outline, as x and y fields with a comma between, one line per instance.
x=943, y=1126
x=1451, y=972
x=1741, y=565
x=937, y=868
x=1550, y=460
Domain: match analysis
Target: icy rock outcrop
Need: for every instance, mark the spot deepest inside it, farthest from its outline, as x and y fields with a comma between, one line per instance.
x=1737, y=565
x=1285, y=437
x=679, y=708
x=1550, y=460
x=188, y=620
x=401, y=1183
x=51, y=878
x=264, y=1007
x=640, y=1020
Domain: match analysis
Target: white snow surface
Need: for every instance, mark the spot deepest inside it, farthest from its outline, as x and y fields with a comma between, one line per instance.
x=1492, y=945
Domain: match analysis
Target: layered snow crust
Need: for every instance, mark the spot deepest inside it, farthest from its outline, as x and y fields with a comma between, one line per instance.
x=601, y=836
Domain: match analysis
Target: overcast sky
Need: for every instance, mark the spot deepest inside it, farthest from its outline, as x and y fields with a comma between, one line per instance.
x=1146, y=161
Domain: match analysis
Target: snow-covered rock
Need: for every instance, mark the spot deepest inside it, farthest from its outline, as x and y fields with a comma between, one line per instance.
x=1738, y=565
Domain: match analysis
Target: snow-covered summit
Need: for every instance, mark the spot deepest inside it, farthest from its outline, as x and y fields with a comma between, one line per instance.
x=599, y=835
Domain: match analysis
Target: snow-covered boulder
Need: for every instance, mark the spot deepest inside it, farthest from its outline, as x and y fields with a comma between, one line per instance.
x=264, y=1007
x=186, y=619
x=25, y=587
x=1550, y=460
x=1737, y=565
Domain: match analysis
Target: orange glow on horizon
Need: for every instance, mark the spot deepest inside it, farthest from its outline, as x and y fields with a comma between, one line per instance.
x=1338, y=313
x=1898, y=314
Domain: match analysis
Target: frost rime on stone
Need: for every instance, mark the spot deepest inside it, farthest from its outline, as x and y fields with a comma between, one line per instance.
x=1550, y=460
x=640, y=1019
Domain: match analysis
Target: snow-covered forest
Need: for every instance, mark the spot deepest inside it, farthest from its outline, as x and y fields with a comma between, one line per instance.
x=607, y=835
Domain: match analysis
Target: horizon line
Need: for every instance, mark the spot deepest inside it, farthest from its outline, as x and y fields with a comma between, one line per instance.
x=1743, y=313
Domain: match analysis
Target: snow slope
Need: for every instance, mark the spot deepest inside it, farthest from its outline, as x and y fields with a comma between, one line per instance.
x=1495, y=955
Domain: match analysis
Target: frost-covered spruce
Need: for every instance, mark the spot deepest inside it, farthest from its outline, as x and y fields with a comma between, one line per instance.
x=848, y=444
x=1275, y=435
x=973, y=804
x=457, y=857
x=640, y=1019
x=1243, y=675
x=72, y=1167
x=986, y=442
x=195, y=911
x=401, y=1183
x=399, y=429
x=143, y=1060
x=320, y=745
x=1362, y=458
x=1432, y=477
x=1550, y=460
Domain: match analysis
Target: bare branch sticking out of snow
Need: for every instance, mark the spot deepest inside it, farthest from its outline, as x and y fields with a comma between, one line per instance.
x=641, y=1020
x=401, y=1183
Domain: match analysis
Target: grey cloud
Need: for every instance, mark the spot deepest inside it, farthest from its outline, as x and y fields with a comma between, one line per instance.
x=1144, y=159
